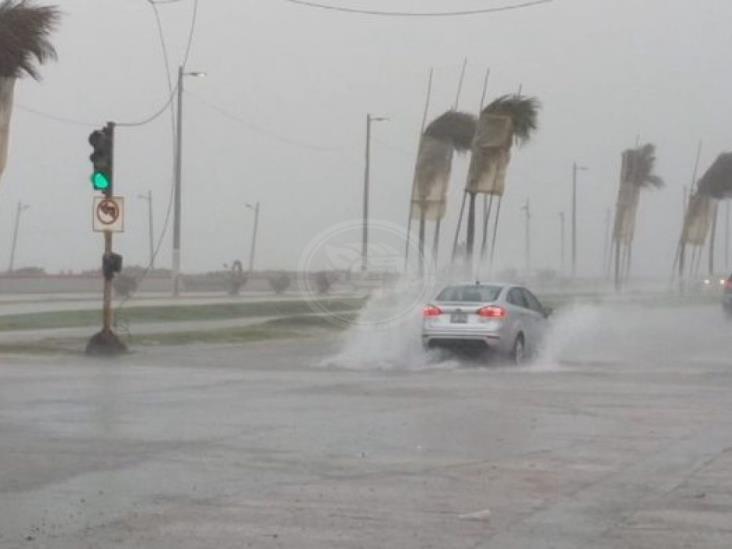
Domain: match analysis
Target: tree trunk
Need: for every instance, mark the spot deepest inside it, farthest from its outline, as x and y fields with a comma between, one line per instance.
x=421, y=237
x=7, y=85
x=471, y=230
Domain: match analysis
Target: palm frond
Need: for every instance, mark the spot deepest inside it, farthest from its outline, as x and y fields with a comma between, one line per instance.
x=457, y=128
x=24, y=37
x=523, y=111
x=717, y=181
x=640, y=164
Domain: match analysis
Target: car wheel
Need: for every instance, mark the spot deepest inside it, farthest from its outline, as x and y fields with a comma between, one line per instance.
x=518, y=354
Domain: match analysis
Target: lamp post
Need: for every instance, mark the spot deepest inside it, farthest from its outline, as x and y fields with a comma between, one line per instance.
x=562, y=241
x=527, y=210
x=575, y=168
x=366, y=181
x=148, y=197
x=178, y=178
x=18, y=212
x=253, y=248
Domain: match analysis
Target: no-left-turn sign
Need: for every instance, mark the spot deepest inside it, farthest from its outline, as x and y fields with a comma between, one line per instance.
x=108, y=214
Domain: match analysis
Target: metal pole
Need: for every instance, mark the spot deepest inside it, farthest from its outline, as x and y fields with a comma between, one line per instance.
x=254, y=239
x=574, y=220
x=107, y=313
x=527, y=251
x=178, y=177
x=460, y=84
x=606, y=248
x=495, y=231
x=562, y=242
x=713, y=239
x=366, y=176
x=411, y=197
x=457, y=229
x=20, y=209
x=726, y=236
x=151, y=232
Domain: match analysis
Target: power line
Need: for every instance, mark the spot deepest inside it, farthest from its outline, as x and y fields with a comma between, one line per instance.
x=260, y=130
x=359, y=11
x=158, y=113
x=60, y=119
x=172, y=90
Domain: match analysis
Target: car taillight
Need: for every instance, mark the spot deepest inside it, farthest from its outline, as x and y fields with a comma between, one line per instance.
x=493, y=312
x=431, y=311
x=728, y=285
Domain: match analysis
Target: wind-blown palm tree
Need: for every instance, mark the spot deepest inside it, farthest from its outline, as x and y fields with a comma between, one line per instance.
x=636, y=174
x=452, y=131
x=507, y=119
x=24, y=44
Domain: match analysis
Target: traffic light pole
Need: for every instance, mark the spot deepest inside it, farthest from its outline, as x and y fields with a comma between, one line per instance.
x=106, y=342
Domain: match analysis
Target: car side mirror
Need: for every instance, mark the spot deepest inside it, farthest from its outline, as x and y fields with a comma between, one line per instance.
x=548, y=311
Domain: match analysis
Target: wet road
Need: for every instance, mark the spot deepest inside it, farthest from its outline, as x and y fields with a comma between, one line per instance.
x=619, y=437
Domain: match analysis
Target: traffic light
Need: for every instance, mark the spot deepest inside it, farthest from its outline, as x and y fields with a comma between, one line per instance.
x=102, y=141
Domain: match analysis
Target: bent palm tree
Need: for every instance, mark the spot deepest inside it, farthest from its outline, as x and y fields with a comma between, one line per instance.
x=450, y=132
x=507, y=119
x=24, y=43
x=636, y=174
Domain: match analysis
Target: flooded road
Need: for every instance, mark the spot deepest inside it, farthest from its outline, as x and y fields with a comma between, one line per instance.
x=620, y=435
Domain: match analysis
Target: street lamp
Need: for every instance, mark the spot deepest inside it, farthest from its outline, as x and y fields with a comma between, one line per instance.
x=178, y=177
x=562, y=242
x=19, y=210
x=148, y=197
x=255, y=209
x=366, y=181
x=575, y=168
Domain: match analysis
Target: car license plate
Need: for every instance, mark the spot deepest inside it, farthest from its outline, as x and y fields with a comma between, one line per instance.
x=459, y=318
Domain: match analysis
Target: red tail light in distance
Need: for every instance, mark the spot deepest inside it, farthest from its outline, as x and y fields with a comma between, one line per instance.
x=430, y=311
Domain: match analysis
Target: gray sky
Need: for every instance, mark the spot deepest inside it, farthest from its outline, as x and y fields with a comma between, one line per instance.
x=302, y=81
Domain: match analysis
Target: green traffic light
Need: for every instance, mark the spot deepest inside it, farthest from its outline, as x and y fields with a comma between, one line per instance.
x=100, y=181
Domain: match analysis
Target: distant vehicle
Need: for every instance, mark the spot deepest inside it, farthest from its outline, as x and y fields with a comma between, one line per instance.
x=727, y=297
x=504, y=318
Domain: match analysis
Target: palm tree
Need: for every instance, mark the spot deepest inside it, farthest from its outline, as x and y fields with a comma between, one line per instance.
x=452, y=131
x=24, y=43
x=507, y=119
x=636, y=174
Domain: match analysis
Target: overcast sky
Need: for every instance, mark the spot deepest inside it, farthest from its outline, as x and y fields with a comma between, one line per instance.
x=301, y=81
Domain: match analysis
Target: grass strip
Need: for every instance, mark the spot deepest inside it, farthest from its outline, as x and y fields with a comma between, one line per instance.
x=175, y=313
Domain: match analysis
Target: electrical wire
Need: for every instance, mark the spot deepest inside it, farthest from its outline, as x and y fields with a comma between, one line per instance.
x=159, y=112
x=61, y=119
x=260, y=130
x=380, y=13
x=171, y=195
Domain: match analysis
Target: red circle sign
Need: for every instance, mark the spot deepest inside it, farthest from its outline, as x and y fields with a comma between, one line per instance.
x=107, y=212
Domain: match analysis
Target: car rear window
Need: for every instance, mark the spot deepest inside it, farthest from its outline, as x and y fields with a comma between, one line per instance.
x=471, y=294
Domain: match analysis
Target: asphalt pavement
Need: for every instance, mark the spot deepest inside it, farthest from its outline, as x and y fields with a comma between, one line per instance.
x=619, y=436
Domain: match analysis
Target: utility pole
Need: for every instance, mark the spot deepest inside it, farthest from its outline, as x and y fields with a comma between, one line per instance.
x=575, y=169
x=726, y=235
x=178, y=178
x=606, y=249
x=151, y=234
x=562, y=242
x=255, y=208
x=19, y=210
x=366, y=182
x=527, y=251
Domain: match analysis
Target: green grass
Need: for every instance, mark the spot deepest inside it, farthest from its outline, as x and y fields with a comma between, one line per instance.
x=173, y=313
x=281, y=328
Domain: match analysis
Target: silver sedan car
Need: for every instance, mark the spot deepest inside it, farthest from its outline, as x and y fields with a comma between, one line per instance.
x=505, y=318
